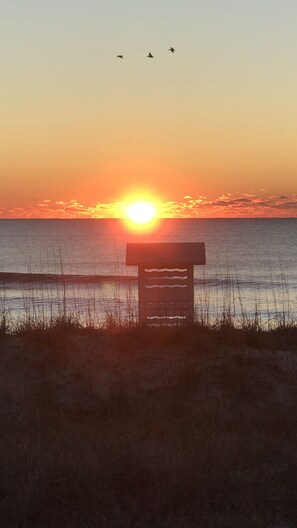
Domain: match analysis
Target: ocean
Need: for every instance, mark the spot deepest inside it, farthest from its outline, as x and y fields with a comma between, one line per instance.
x=47, y=265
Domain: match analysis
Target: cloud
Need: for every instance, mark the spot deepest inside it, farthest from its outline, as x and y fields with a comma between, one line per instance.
x=228, y=205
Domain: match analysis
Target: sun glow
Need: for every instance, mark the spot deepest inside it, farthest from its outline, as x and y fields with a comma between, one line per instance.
x=140, y=214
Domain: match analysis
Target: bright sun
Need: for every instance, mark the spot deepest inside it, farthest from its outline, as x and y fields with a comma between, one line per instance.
x=141, y=212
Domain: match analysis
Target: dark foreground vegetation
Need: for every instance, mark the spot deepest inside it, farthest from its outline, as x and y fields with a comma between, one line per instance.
x=148, y=428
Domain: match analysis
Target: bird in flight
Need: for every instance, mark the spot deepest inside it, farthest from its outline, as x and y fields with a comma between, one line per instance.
x=150, y=56
x=120, y=56
x=171, y=49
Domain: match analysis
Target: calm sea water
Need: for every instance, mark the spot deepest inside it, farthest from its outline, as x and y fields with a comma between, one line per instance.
x=251, y=264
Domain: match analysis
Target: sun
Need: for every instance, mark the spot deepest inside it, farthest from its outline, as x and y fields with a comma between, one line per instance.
x=141, y=212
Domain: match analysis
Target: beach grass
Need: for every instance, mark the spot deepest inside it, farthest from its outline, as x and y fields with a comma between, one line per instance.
x=46, y=301
x=107, y=423
x=148, y=427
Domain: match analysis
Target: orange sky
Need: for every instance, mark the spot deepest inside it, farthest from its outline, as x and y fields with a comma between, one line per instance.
x=216, y=121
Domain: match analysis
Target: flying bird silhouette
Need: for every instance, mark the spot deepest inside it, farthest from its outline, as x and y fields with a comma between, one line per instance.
x=171, y=49
x=120, y=56
x=150, y=55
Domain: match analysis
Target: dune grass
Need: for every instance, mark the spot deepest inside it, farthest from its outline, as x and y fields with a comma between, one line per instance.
x=44, y=305
x=148, y=427
x=109, y=424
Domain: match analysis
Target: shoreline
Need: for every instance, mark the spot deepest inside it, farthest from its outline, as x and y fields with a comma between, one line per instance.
x=24, y=278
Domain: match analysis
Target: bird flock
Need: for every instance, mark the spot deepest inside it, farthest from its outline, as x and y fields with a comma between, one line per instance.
x=150, y=55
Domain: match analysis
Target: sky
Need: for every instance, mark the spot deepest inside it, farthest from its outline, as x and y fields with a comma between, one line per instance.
x=210, y=130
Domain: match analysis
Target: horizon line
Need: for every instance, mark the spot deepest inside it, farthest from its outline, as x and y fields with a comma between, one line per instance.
x=159, y=218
